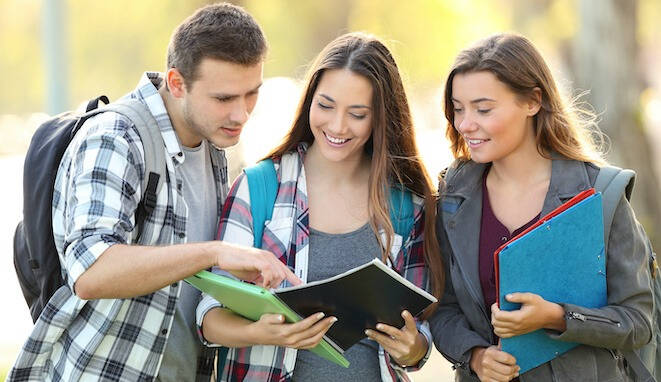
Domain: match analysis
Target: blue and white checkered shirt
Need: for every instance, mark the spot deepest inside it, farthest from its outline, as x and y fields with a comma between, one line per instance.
x=97, y=190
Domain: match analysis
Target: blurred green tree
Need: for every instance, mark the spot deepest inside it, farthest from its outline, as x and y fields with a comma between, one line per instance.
x=606, y=61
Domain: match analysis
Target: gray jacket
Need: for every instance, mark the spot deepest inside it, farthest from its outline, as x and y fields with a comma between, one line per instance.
x=463, y=322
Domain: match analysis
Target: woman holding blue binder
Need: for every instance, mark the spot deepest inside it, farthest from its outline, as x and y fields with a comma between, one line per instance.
x=351, y=140
x=521, y=152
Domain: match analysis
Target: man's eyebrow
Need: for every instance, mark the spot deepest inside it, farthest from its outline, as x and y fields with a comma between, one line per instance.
x=223, y=95
x=256, y=88
x=231, y=95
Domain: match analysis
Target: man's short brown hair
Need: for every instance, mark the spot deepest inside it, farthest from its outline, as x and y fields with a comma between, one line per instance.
x=220, y=31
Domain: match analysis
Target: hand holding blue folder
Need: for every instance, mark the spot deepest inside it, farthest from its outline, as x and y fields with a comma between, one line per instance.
x=562, y=259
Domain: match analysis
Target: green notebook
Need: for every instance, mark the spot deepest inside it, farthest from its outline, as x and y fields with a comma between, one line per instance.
x=251, y=301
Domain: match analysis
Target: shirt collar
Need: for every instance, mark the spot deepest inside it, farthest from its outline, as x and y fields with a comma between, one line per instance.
x=147, y=92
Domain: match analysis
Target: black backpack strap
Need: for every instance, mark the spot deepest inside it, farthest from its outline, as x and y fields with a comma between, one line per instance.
x=154, y=153
x=91, y=110
x=93, y=104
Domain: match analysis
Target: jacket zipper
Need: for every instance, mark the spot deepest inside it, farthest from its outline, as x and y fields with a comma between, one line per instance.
x=616, y=355
x=589, y=317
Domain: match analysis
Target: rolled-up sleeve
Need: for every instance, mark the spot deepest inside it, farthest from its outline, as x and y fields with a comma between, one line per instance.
x=96, y=192
x=206, y=304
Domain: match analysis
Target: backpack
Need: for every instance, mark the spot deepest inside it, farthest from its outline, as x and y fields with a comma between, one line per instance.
x=614, y=182
x=263, y=189
x=35, y=257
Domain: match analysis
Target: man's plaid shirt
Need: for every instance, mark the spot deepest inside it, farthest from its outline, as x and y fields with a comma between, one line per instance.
x=97, y=190
x=287, y=236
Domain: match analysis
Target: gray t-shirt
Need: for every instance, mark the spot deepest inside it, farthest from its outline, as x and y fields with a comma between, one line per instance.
x=184, y=347
x=330, y=255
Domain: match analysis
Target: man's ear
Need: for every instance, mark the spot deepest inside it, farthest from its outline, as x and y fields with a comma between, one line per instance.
x=534, y=102
x=175, y=81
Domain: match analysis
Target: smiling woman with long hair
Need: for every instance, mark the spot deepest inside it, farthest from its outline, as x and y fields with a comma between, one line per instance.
x=352, y=140
x=520, y=152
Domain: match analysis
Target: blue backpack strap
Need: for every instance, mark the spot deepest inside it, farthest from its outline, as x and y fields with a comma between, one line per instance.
x=401, y=211
x=263, y=187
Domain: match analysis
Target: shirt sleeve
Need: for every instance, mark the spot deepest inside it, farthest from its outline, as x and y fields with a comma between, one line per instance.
x=235, y=227
x=415, y=270
x=101, y=190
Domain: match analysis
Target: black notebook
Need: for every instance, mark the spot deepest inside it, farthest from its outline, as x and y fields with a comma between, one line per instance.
x=359, y=298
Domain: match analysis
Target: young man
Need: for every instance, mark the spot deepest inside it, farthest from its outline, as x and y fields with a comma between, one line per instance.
x=124, y=313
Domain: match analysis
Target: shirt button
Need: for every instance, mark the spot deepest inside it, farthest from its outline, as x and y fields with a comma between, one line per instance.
x=503, y=239
x=180, y=154
x=174, y=285
x=451, y=224
x=164, y=331
x=181, y=235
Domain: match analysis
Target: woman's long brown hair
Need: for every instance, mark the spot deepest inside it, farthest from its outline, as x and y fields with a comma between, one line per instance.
x=560, y=127
x=392, y=148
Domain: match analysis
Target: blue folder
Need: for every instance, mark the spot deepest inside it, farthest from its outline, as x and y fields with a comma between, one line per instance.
x=561, y=259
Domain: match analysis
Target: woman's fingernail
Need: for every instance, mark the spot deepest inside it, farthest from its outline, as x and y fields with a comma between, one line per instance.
x=334, y=319
x=379, y=326
x=320, y=315
x=367, y=332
